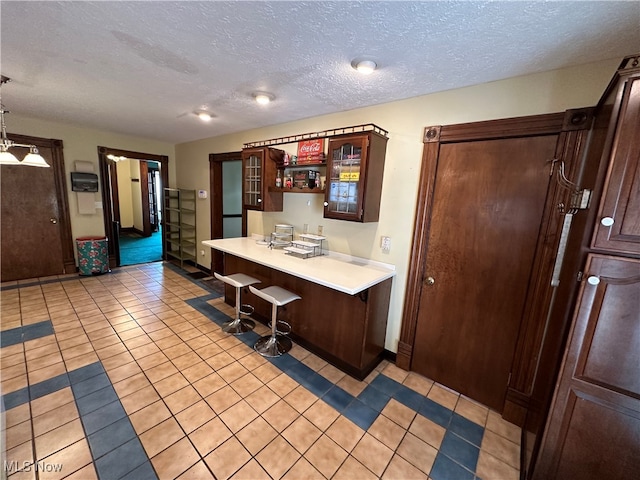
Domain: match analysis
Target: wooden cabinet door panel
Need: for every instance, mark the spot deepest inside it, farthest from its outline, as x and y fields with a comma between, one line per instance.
x=593, y=430
x=253, y=162
x=597, y=441
x=258, y=174
x=355, y=169
x=346, y=177
x=621, y=199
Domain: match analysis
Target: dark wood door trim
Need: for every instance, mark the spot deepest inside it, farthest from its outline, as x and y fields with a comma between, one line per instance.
x=215, y=182
x=570, y=146
x=109, y=187
x=64, y=218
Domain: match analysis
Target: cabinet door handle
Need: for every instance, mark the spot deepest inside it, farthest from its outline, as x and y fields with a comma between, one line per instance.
x=429, y=281
x=326, y=204
x=593, y=280
x=607, y=221
x=259, y=200
x=53, y=220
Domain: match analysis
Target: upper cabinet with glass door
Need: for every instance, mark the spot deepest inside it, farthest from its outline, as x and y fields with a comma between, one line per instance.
x=355, y=166
x=258, y=172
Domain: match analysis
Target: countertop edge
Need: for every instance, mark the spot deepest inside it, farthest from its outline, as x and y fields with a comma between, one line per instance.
x=386, y=270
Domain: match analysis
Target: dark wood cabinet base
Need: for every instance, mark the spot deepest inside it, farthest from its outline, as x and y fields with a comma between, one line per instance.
x=347, y=331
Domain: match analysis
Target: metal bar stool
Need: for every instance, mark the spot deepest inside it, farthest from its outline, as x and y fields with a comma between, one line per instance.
x=238, y=325
x=275, y=344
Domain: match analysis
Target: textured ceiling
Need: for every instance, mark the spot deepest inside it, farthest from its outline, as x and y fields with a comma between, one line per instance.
x=143, y=68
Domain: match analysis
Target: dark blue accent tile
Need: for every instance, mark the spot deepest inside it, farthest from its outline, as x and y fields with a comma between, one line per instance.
x=316, y=384
x=374, y=398
x=472, y=432
x=119, y=462
x=83, y=373
x=102, y=417
x=435, y=412
x=13, y=336
x=111, y=437
x=15, y=399
x=361, y=414
x=249, y=338
x=446, y=469
x=409, y=398
x=143, y=472
x=338, y=398
x=284, y=362
x=37, y=330
x=46, y=387
x=95, y=400
x=385, y=384
x=90, y=385
x=459, y=450
x=299, y=372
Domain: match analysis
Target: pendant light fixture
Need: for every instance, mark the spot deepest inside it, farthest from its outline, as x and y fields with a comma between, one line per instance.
x=32, y=159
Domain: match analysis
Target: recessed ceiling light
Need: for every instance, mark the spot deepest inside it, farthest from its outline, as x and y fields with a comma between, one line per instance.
x=204, y=116
x=263, y=98
x=365, y=67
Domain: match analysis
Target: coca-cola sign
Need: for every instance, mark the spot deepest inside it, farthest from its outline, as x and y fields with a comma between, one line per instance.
x=311, y=148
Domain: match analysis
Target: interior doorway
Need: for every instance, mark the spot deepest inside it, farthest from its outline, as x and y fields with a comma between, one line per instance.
x=225, y=170
x=138, y=208
x=132, y=186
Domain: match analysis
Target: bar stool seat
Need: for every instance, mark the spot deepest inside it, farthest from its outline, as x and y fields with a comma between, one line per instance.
x=275, y=344
x=238, y=325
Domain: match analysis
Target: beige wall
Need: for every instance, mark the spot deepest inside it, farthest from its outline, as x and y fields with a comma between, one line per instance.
x=547, y=92
x=136, y=194
x=124, y=194
x=82, y=144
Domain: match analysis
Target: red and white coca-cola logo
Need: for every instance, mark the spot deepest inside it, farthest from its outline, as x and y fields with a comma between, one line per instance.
x=310, y=147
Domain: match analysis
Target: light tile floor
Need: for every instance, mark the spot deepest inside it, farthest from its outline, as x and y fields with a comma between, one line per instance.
x=127, y=375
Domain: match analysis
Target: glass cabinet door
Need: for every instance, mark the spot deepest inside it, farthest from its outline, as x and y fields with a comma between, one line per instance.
x=252, y=184
x=345, y=172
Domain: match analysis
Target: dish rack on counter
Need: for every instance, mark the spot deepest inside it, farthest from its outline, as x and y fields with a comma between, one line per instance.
x=308, y=246
x=282, y=236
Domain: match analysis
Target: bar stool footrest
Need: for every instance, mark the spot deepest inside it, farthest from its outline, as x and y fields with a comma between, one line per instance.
x=281, y=323
x=246, y=309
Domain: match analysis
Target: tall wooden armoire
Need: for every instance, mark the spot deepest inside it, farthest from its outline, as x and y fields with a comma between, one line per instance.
x=593, y=427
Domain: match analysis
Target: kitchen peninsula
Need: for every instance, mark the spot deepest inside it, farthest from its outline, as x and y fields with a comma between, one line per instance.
x=342, y=316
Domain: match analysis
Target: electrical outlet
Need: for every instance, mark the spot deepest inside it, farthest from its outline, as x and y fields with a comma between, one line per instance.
x=385, y=244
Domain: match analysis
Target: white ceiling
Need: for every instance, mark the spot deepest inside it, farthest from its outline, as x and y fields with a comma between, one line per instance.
x=143, y=68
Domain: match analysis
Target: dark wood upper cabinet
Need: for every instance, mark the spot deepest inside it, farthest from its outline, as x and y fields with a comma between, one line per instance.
x=618, y=226
x=355, y=166
x=259, y=172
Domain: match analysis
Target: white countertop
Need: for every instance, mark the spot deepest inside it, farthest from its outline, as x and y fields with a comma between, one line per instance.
x=341, y=272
